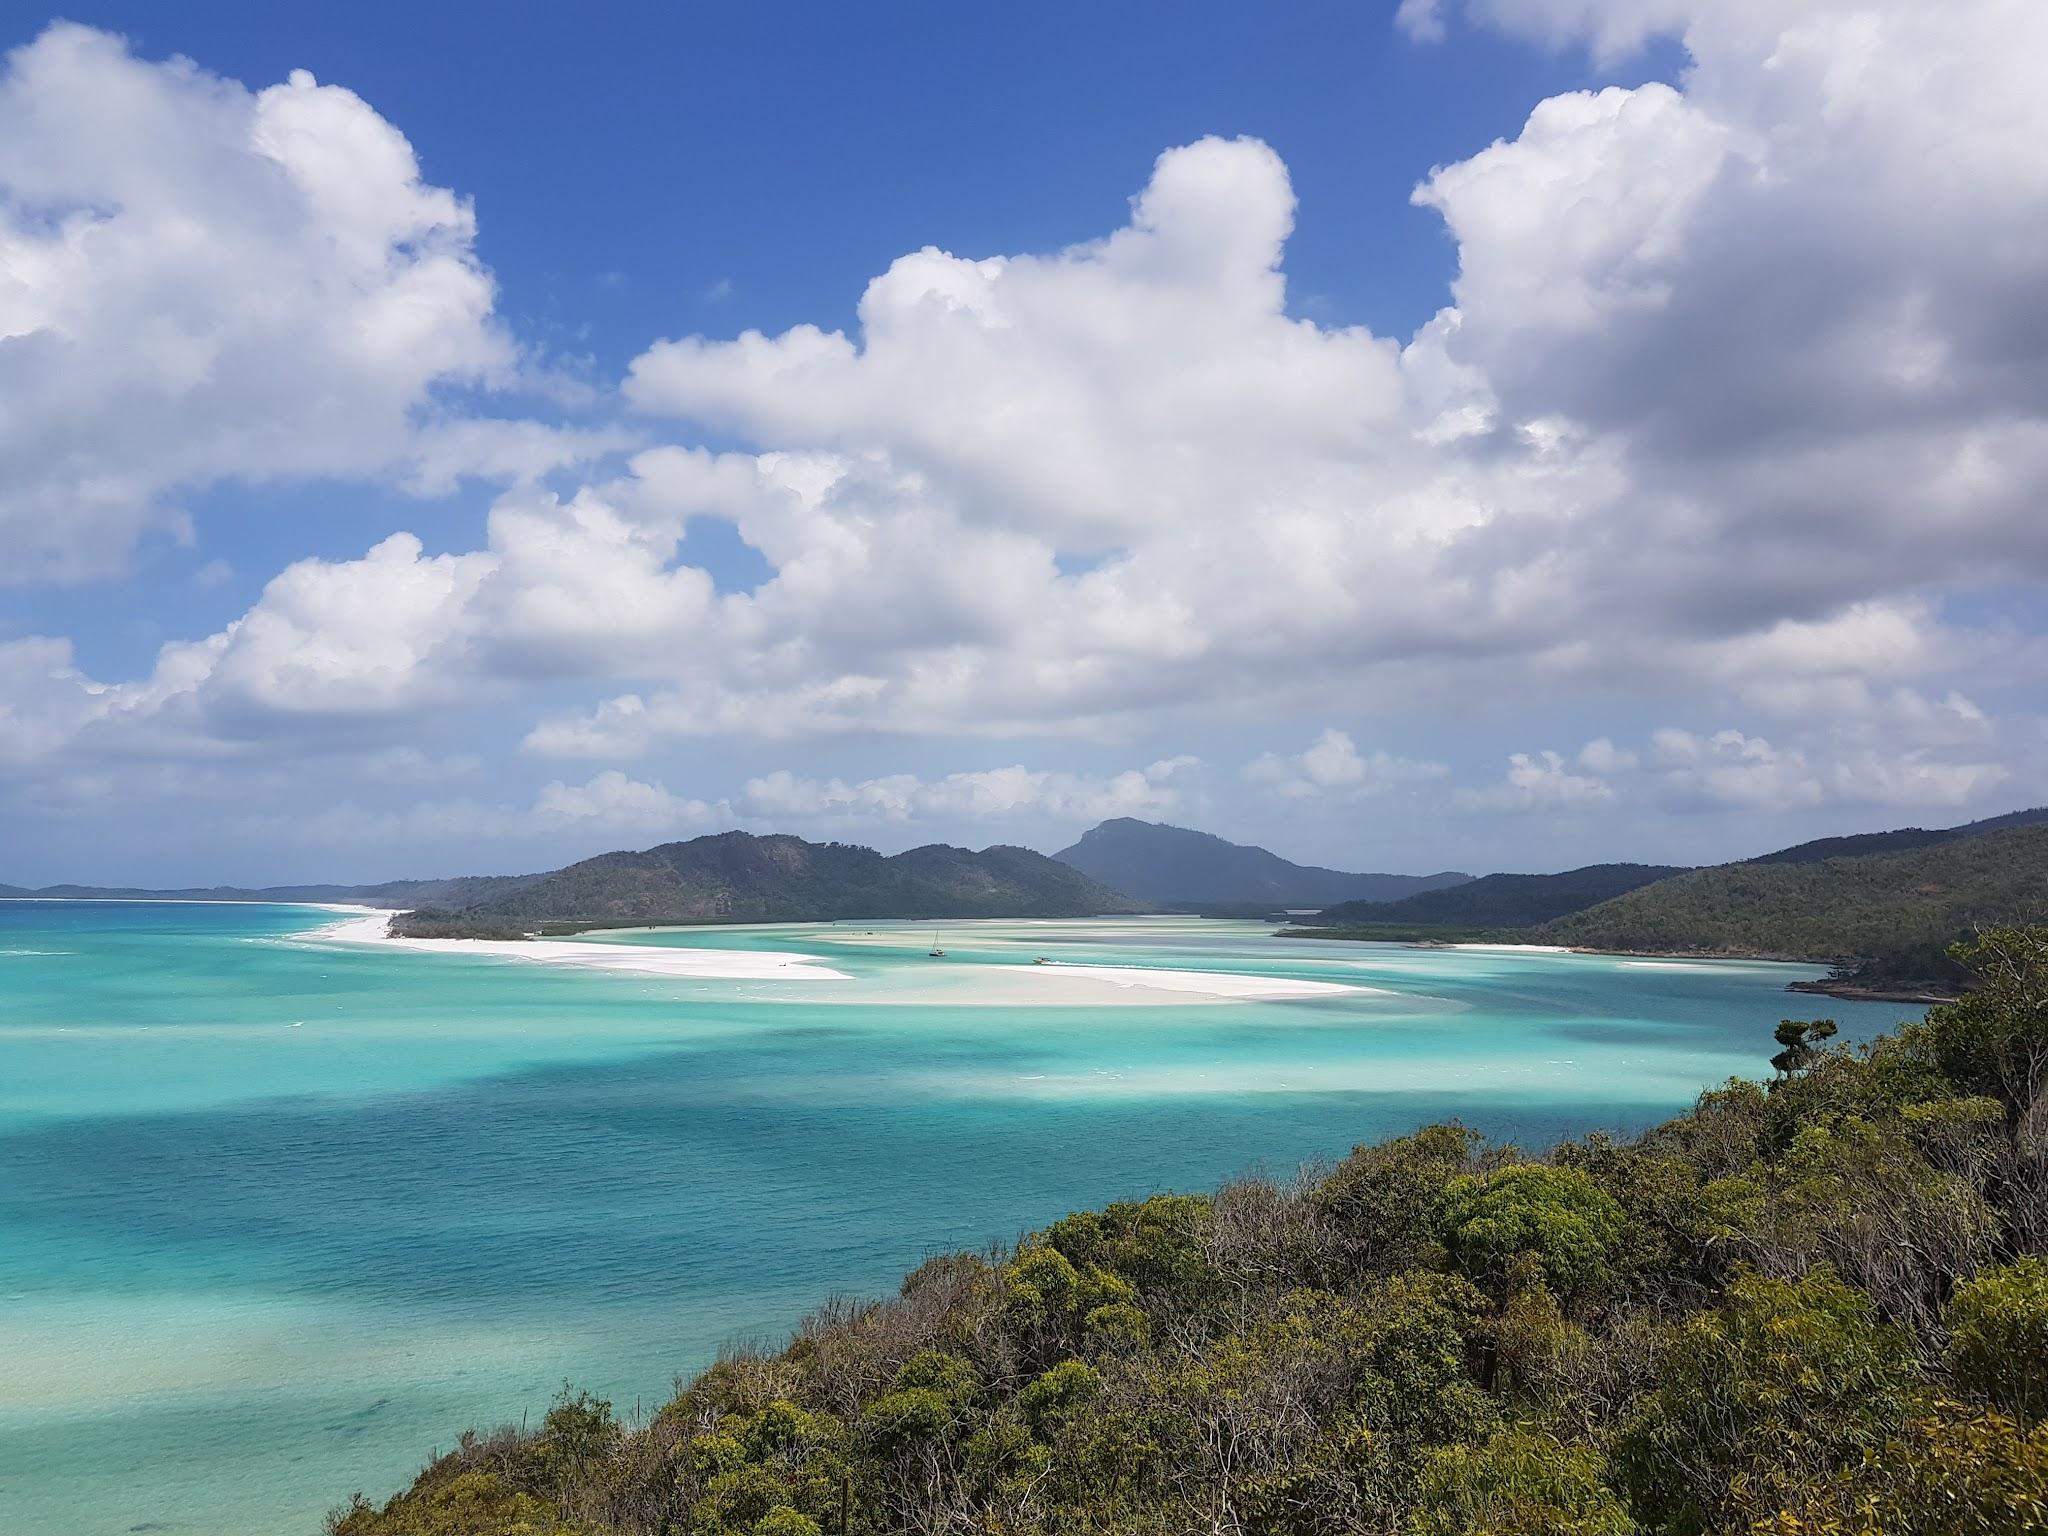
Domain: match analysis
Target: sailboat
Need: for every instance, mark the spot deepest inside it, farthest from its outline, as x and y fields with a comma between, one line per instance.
x=935, y=952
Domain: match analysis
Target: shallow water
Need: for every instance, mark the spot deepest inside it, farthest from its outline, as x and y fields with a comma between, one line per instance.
x=279, y=1215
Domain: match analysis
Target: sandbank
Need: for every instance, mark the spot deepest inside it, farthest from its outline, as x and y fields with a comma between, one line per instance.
x=1215, y=984
x=368, y=927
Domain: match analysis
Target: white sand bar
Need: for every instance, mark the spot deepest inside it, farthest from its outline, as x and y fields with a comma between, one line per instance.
x=1201, y=983
x=626, y=959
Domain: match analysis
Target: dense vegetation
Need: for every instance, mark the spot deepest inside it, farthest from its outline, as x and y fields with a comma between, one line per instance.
x=1502, y=901
x=1816, y=1306
x=1903, y=840
x=1885, y=916
x=1195, y=871
x=737, y=877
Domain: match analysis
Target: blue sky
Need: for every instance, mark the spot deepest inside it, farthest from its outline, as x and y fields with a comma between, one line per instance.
x=1695, y=516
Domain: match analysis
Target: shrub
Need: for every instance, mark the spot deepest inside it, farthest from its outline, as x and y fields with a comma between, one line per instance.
x=1557, y=1216
x=1998, y=1346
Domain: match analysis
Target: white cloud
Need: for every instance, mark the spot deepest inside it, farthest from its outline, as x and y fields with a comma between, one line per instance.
x=199, y=282
x=1333, y=765
x=614, y=802
x=1742, y=382
x=1421, y=19
x=989, y=794
x=1602, y=756
x=1729, y=768
x=1915, y=778
x=1539, y=781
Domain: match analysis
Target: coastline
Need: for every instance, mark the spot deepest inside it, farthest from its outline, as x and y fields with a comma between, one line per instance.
x=368, y=925
x=1848, y=991
x=1054, y=984
x=1851, y=991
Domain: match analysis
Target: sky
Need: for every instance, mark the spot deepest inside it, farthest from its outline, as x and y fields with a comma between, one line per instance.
x=1482, y=434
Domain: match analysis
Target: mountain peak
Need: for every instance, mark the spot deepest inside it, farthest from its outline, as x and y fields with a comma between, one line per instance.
x=1180, y=866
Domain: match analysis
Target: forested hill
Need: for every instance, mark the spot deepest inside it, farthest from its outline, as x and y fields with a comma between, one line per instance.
x=1178, y=867
x=739, y=877
x=1904, y=840
x=1899, y=909
x=1816, y=1306
x=1502, y=901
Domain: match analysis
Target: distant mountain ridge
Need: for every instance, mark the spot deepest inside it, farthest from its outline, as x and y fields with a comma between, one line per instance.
x=1176, y=866
x=741, y=877
x=458, y=891
x=1504, y=901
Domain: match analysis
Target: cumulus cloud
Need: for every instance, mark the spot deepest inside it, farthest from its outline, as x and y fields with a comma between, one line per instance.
x=612, y=801
x=1729, y=768
x=1742, y=379
x=1538, y=781
x=1333, y=765
x=201, y=282
x=990, y=793
x=1602, y=756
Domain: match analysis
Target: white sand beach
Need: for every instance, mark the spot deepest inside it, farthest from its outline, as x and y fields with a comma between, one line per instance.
x=956, y=984
x=1225, y=985
x=366, y=925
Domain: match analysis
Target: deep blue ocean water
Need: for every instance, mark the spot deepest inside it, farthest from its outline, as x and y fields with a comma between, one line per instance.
x=278, y=1216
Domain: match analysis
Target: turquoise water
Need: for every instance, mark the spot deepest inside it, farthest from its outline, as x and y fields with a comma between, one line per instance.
x=278, y=1215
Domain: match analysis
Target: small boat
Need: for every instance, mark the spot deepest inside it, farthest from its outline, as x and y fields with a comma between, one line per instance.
x=1041, y=960
x=935, y=952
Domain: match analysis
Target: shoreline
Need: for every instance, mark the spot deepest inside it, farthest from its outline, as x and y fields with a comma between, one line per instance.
x=1054, y=984
x=1855, y=992
x=201, y=901
x=368, y=925
x=1821, y=986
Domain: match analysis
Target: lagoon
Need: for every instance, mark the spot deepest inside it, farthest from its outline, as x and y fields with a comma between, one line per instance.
x=280, y=1213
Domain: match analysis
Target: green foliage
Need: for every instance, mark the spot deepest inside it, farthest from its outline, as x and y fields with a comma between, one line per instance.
x=1995, y=1040
x=1787, y=1382
x=1910, y=905
x=1051, y=1400
x=738, y=877
x=464, y=1505
x=1951, y=1471
x=1557, y=1217
x=1802, y=1044
x=578, y=1434
x=1756, y=1318
x=1500, y=901
x=908, y=1417
x=1386, y=1201
x=1998, y=1344
x=1522, y=1482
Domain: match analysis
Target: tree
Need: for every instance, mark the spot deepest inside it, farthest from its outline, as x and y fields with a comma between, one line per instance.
x=1998, y=1345
x=1802, y=1042
x=1556, y=1216
x=1995, y=1039
x=1788, y=1383
x=1522, y=1482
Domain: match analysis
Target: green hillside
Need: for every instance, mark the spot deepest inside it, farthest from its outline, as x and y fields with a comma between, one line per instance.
x=1896, y=912
x=1903, y=840
x=1500, y=901
x=1816, y=1306
x=738, y=877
